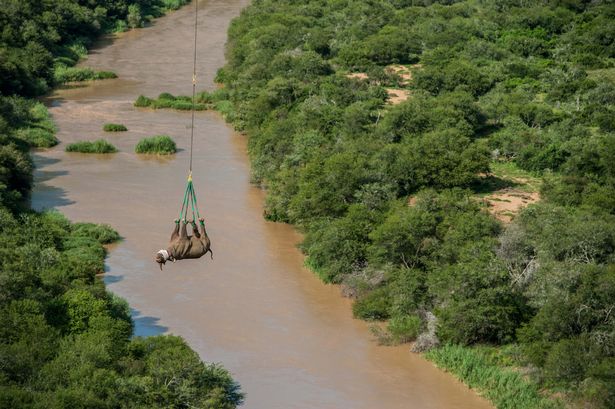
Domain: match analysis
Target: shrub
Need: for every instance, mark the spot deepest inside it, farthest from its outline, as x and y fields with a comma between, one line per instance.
x=104, y=233
x=63, y=74
x=37, y=137
x=143, y=101
x=173, y=4
x=404, y=328
x=134, y=17
x=98, y=146
x=166, y=95
x=114, y=128
x=40, y=129
x=161, y=145
x=169, y=101
x=373, y=306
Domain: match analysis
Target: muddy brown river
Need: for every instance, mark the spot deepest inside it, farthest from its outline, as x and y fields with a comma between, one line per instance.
x=289, y=339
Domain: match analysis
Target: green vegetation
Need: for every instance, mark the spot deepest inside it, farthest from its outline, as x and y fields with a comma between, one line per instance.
x=506, y=388
x=97, y=146
x=63, y=74
x=502, y=93
x=42, y=41
x=114, y=128
x=166, y=100
x=37, y=128
x=65, y=341
x=160, y=145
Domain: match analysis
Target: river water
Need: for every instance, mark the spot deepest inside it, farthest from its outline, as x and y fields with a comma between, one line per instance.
x=287, y=338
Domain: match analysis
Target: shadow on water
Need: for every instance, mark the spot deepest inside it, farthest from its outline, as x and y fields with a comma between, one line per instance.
x=42, y=161
x=43, y=175
x=112, y=279
x=48, y=197
x=102, y=43
x=53, y=100
x=146, y=326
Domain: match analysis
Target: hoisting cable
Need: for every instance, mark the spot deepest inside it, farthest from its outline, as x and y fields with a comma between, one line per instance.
x=189, y=195
x=196, y=22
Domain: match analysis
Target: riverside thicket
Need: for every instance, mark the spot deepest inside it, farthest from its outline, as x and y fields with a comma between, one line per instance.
x=65, y=341
x=501, y=102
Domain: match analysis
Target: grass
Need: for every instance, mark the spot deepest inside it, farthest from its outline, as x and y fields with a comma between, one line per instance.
x=98, y=146
x=506, y=175
x=525, y=180
x=160, y=144
x=216, y=100
x=504, y=387
x=40, y=129
x=63, y=74
x=168, y=101
x=114, y=128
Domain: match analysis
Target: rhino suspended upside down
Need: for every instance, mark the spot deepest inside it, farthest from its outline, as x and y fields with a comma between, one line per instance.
x=182, y=246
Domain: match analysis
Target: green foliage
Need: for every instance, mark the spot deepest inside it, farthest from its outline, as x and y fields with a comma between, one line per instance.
x=160, y=145
x=66, y=341
x=378, y=189
x=506, y=388
x=373, y=306
x=97, y=146
x=404, y=328
x=38, y=129
x=41, y=42
x=63, y=74
x=169, y=101
x=103, y=233
x=134, y=18
x=114, y=128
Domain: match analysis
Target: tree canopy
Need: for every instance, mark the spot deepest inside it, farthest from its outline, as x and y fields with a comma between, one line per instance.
x=389, y=196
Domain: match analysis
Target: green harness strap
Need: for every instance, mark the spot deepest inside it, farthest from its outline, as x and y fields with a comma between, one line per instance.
x=189, y=202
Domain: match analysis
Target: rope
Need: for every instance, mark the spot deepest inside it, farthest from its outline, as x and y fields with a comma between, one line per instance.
x=189, y=201
x=196, y=22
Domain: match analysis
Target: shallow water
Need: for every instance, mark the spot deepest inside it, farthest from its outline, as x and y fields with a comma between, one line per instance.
x=287, y=338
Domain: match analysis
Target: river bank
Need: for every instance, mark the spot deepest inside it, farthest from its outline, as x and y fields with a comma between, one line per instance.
x=254, y=306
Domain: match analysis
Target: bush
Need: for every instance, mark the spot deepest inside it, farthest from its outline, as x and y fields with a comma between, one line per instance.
x=63, y=74
x=37, y=137
x=169, y=101
x=143, y=101
x=404, y=328
x=161, y=145
x=373, y=306
x=39, y=130
x=134, y=17
x=98, y=146
x=114, y=128
x=104, y=233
